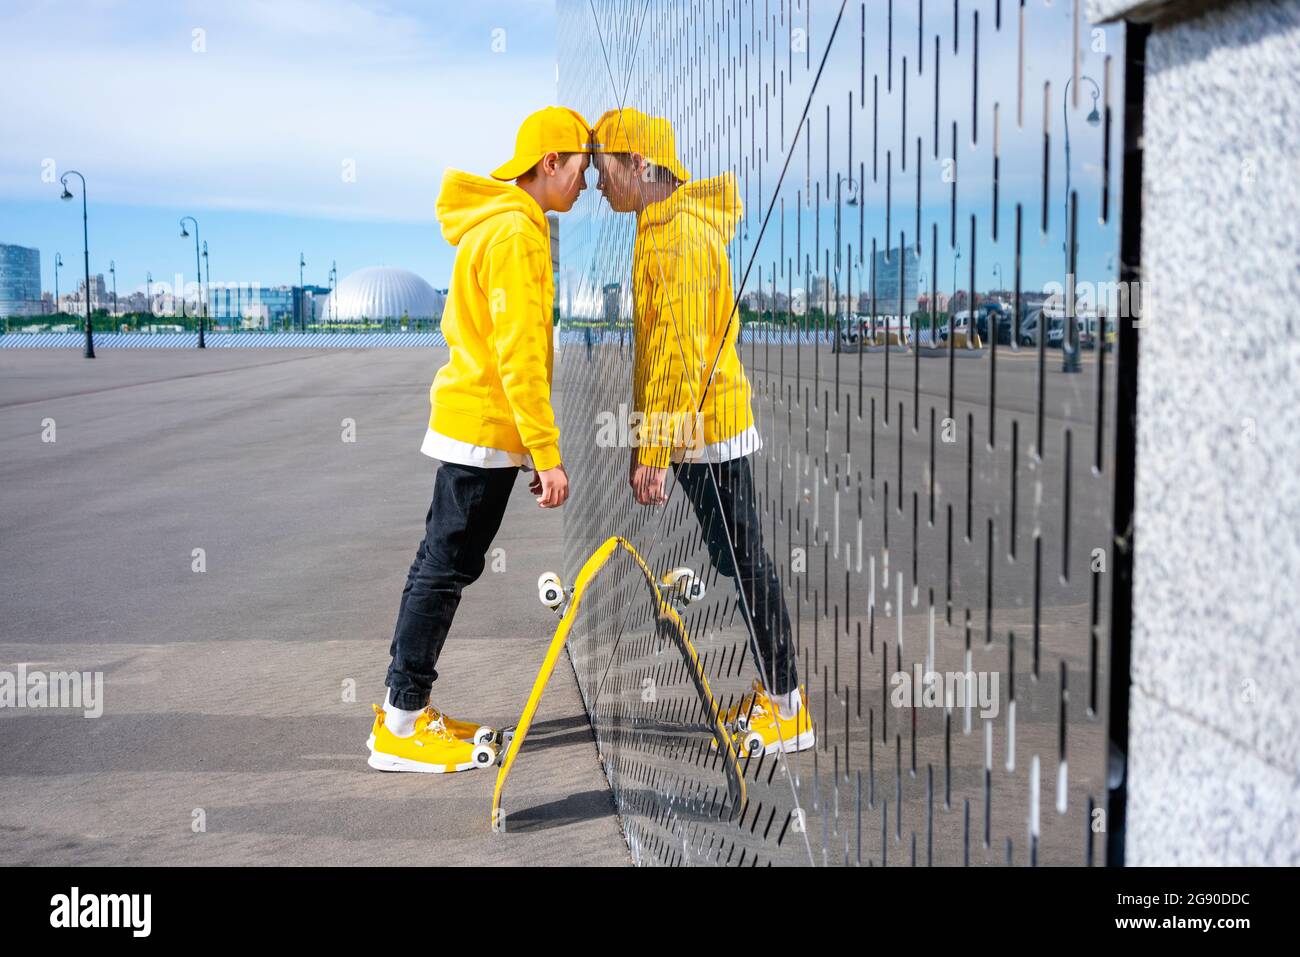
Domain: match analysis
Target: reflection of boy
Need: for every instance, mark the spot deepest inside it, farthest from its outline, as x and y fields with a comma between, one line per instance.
x=688, y=379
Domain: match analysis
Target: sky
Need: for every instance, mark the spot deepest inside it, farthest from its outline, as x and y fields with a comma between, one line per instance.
x=323, y=127
x=711, y=126
x=318, y=127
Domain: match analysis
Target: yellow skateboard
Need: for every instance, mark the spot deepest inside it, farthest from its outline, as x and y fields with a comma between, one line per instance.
x=680, y=585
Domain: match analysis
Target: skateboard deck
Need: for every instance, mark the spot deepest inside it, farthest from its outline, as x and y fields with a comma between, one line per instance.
x=667, y=614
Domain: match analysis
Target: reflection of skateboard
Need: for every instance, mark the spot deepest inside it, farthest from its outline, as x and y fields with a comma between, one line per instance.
x=681, y=585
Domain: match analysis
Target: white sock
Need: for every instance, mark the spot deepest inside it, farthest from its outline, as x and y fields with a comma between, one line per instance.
x=787, y=705
x=400, y=723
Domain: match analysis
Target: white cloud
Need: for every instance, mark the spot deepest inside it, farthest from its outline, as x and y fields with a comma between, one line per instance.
x=285, y=93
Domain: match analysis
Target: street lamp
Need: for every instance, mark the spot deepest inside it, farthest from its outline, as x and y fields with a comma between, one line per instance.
x=1070, y=336
x=58, y=261
x=85, y=246
x=148, y=292
x=952, y=303
x=207, y=276
x=112, y=271
x=997, y=271
x=198, y=275
x=334, y=288
x=922, y=277
x=302, y=296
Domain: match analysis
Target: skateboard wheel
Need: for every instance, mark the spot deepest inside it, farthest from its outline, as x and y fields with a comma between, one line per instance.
x=753, y=742
x=550, y=590
x=685, y=584
x=484, y=755
x=484, y=735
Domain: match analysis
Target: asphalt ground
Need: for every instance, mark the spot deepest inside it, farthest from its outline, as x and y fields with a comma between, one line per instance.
x=236, y=699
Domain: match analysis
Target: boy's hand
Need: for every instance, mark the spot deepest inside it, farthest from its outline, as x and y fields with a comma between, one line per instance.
x=648, y=484
x=551, y=486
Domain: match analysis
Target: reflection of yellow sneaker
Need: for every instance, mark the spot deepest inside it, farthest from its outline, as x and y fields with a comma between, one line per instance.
x=740, y=711
x=766, y=732
x=432, y=749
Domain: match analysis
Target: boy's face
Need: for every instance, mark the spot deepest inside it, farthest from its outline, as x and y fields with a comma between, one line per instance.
x=619, y=182
x=570, y=180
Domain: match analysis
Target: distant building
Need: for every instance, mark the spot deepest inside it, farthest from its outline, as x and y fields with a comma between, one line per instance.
x=554, y=222
x=252, y=303
x=612, y=293
x=381, y=293
x=20, y=281
x=316, y=300
x=939, y=300
x=818, y=290
x=133, y=302
x=887, y=266
x=98, y=291
x=798, y=302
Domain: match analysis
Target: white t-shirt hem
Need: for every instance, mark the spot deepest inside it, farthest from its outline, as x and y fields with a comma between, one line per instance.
x=738, y=446
x=446, y=449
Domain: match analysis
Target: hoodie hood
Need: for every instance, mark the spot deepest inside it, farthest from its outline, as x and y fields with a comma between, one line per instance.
x=465, y=200
x=714, y=201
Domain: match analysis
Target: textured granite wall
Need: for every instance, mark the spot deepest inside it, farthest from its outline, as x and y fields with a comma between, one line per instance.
x=1214, y=760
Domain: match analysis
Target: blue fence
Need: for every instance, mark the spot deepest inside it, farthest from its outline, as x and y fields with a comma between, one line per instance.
x=332, y=340
x=221, y=340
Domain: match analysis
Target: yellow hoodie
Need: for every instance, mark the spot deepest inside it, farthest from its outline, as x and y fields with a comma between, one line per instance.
x=681, y=282
x=495, y=390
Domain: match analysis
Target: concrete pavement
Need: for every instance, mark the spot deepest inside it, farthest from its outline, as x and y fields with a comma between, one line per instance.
x=237, y=698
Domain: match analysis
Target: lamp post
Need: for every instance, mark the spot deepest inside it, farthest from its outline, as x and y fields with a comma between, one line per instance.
x=207, y=276
x=952, y=303
x=112, y=271
x=198, y=275
x=302, y=296
x=148, y=292
x=1070, y=336
x=85, y=246
x=921, y=279
x=334, y=288
x=58, y=261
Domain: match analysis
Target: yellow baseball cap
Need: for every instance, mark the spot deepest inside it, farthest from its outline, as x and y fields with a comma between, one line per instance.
x=554, y=129
x=630, y=131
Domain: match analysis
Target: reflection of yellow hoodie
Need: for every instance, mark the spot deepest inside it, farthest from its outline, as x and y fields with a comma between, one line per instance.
x=681, y=281
x=495, y=390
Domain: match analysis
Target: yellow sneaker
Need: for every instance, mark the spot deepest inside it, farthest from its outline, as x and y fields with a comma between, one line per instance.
x=432, y=749
x=766, y=732
x=465, y=730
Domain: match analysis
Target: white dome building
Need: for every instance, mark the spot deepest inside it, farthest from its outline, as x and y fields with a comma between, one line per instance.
x=378, y=293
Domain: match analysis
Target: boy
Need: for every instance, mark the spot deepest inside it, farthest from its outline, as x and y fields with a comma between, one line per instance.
x=688, y=382
x=491, y=416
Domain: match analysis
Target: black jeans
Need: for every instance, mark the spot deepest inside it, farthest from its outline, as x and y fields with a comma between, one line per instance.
x=464, y=516
x=729, y=519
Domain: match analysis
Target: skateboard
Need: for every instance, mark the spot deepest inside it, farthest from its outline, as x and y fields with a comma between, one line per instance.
x=679, y=586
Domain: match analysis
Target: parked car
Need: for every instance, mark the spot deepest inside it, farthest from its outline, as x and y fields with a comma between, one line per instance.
x=859, y=331
x=1029, y=327
x=960, y=321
